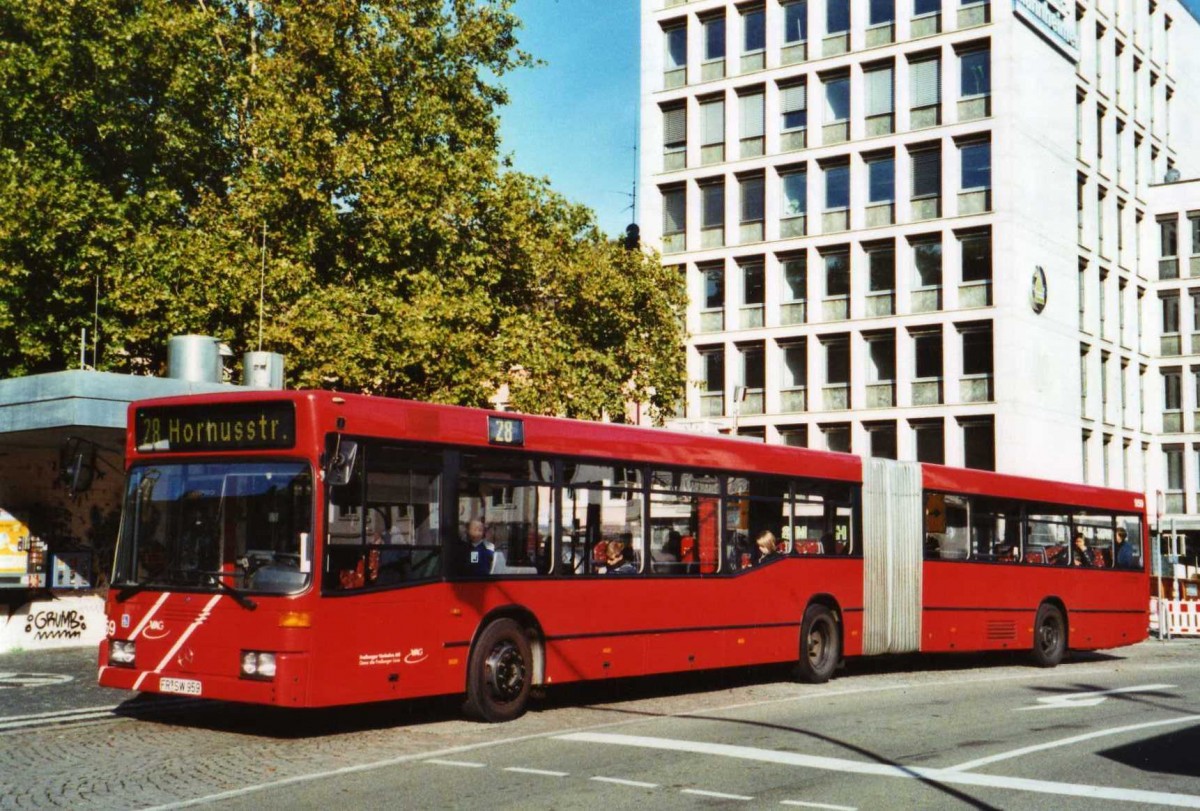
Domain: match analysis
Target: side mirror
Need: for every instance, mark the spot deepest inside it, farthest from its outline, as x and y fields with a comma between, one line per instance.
x=340, y=467
x=77, y=464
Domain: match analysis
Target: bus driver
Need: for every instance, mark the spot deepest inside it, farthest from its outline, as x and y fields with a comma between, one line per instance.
x=480, y=553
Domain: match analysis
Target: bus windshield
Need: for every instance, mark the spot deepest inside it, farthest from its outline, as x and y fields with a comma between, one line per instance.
x=212, y=526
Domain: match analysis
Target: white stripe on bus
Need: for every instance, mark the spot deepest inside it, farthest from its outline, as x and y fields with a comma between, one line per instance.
x=150, y=614
x=196, y=623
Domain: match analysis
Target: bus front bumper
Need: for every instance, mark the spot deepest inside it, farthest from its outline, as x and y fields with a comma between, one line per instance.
x=289, y=687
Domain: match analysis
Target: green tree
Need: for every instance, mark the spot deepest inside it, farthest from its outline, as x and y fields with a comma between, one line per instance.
x=153, y=150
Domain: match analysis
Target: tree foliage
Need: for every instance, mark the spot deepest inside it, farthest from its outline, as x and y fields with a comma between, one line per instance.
x=151, y=148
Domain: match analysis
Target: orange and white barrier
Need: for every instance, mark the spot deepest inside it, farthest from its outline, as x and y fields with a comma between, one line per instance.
x=1183, y=616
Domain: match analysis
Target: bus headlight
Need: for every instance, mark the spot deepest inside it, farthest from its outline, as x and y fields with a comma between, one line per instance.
x=258, y=665
x=121, y=652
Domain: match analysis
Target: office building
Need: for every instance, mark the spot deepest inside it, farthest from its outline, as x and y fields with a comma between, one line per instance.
x=926, y=230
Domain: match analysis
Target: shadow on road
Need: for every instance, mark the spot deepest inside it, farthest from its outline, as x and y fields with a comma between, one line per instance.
x=278, y=722
x=1169, y=753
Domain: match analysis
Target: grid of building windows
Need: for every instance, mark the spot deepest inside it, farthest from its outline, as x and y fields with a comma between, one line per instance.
x=835, y=191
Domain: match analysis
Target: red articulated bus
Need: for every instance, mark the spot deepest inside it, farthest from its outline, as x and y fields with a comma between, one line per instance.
x=310, y=549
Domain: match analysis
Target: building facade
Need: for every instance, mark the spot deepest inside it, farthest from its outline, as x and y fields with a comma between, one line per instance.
x=927, y=230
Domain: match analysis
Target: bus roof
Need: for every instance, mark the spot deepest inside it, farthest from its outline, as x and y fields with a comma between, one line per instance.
x=1002, y=485
x=364, y=415
x=410, y=420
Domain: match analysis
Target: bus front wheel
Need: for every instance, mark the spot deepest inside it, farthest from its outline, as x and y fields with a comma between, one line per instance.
x=1049, y=636
x=820, y=645
x=498, y=673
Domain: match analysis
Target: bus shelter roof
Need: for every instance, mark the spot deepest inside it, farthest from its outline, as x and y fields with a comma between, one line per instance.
x=37, y=411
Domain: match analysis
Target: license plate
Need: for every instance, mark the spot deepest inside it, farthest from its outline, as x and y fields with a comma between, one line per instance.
x=185, y=687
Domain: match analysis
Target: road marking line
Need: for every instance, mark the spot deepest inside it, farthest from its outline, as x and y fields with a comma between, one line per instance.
x=884, y=770
x=462, y=763
x=717, y=794
x=621, y=782
x=543, y=772
x=19, y=681
x=1025, y=750
x=64, y=719
x=818, y=805
x=1007, y=677
x=1091, y=699
x=11, y=718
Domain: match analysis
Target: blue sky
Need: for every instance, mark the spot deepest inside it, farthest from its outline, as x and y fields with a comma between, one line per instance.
x=574, y=119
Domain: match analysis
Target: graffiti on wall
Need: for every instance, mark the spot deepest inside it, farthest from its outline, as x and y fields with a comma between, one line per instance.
x=49, y=624
x=63, y=622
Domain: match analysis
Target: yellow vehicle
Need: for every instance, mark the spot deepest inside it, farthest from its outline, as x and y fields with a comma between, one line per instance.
x=14, y=551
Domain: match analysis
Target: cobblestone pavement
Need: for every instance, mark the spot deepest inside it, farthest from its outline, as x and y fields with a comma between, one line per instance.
x=151, y=751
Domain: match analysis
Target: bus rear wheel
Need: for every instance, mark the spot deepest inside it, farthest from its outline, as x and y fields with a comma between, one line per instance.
x=498, y=673
x=1049, y=636
x=820, y=645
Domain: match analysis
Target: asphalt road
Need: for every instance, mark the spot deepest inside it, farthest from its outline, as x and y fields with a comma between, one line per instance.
x=1119, y=730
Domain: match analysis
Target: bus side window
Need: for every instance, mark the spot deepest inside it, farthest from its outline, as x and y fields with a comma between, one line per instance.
x=684, y=510
x=1132, y=558
x=822, y=519
x=344, y=567
x=602, y=513
x=757, y=505
x=512, y=495
x=1047, y=537
x=839, y=520
x=1099, y=535
x=954, y=541
x=808, y=534
x=382, y=527
x=995, y=530
x=684, y=538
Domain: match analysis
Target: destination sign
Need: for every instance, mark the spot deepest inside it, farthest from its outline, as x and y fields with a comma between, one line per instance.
x=215, y=427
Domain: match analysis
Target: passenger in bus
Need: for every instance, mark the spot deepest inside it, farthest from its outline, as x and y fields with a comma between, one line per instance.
x=1124, y=557
x=381, y=571
x=480, y=554
x=1079, y=551
x=768, y=547
x=152, y=560
x=672, y=548
x=933, y=547
x=619, y=558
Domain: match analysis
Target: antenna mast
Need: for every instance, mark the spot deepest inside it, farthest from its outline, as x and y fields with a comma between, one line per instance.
x=262, y=285
x=95, y=321
x=633, y=204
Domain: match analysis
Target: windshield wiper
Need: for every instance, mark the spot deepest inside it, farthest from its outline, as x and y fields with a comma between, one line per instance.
x=241, y=599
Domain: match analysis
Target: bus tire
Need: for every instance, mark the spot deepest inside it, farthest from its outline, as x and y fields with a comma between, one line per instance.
x=1049, y=636
x=498, y=673
x=820, y=645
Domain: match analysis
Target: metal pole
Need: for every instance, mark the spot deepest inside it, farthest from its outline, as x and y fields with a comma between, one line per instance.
x=1164, y=625
x=262, y=285
x=1174, y=560
x=96, y=322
